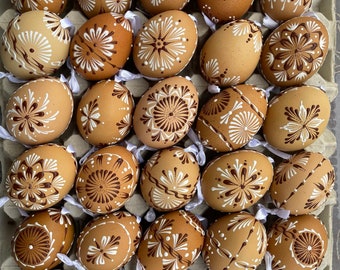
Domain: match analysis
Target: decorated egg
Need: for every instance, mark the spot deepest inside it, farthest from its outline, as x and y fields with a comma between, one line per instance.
x=92, y=8
x=165, y=112
x=235, y=241
x=55, y=6
x=231, y=54
x=303, y=182
x=229, y=119
x=101, y=46
x=285, y=10
x=40, y=237
x=153, y=7
x=296, y=118
x=104, y=114
x=294, y=51
x=236, y=180
x=300, y=242
x=165, y=44
x=41, y=177
x=219, y=11
x=174, y=241
x=35, y=44
x=169, y=179
x=39, y=111
x=109, y=241
x=107, y=179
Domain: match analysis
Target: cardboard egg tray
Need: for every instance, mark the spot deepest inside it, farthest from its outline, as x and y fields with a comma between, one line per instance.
x=326, y=144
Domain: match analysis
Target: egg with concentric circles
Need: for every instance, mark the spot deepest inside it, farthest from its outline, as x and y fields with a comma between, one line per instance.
x=35, y=44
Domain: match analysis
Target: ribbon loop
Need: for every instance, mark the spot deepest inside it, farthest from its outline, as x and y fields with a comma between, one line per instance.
x=66, y=260
x=263, y=213
x=209, y=22
x=4, y=134
x=3, y=201
x=197, y=148
x=135, y=21
x=11, y=77
x=68, y=198
x=255, y=143
x=214, y=89
x=197, y=200
x=88, y=153
x=150, y=216
x=269, y=23
x=268, y=258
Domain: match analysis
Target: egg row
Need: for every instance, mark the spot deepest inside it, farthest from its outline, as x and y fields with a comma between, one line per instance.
x=174, y=240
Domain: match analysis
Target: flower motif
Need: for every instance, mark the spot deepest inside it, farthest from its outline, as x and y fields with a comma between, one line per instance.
x=303, y=123
x=307, y=249
x=156, y=2
x=217, y=104
x=60, y=218
x=162, y=44
x=117, y=6
x=87, y=5
x=53, y=22
x=90, y=116
x=104, y=250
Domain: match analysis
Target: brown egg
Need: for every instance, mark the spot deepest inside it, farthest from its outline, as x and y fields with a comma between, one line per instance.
x=235, y=241
x=237, y=180
x=229, y=119
x=41, y=177
x=294, y=51
x=55, y=6
x=285, y=10
x=231, y=54
x=296, y=118
x=107, y=179
x=174, y=241
x=297, y=243
x=165, y=113
x=302, y=183
x=35, y=44
x=219, y=11
x=108, y=242
x=104, y=114
x=101, y=46
x=165, y=44
x=40, y=237
x=92, y=8
x=39, y=111
x=157, y=6
x=169, y=179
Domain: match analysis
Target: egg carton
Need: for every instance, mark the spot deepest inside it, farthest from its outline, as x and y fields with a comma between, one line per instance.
x=10, y=217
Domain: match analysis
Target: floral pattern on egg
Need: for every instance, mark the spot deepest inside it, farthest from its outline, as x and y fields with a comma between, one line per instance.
x=94, y=7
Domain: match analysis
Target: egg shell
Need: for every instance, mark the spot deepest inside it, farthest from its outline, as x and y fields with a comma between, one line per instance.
x=174, y=240
x=108, y=241
x=296, y=118
x=229, y=119
x=92, y=8
x=154, y=7
x=104, y=113
x=303, y=182
x=285, y=10
x=165, y=44
x=39, y=111
x=220, y=11
x=166, y=112
x=230, y=55
x=169, y=179
x=40, y=237
x=101, y=46
x=300, y=242
x=237, y=180
x=107, y=179
x=294, y=51
x=35, y=44
x=41, y=177
x=55, y=6
x=235, y=241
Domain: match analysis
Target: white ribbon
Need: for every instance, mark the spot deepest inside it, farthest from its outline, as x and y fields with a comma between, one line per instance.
x=139, y=265
x=124, y=75
x=193, y=18
x=3, y=201
x=310, y=14
x=66, y=260
x=135, y=21
x=67, y=24
x=71, y=81
x=150, y=216
x=87, y=154
x=198, y=198
x=68, y=198
x=269, y=22
x=271, y=89
x=214, y=89
x=204, y=222
x=4, y=134
x=209, y=22
x=70, y=149
x=137, y=151
x=22, y=212
x=65, y=211
x=263, y=213
x=268, y=258
x=197, y=148
x=255, y=142
x=11, y=77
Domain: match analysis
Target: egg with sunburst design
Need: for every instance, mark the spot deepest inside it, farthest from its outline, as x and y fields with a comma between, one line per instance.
x=107, y=179
x=166, y=112
x=40, y=237
x=35, y=44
